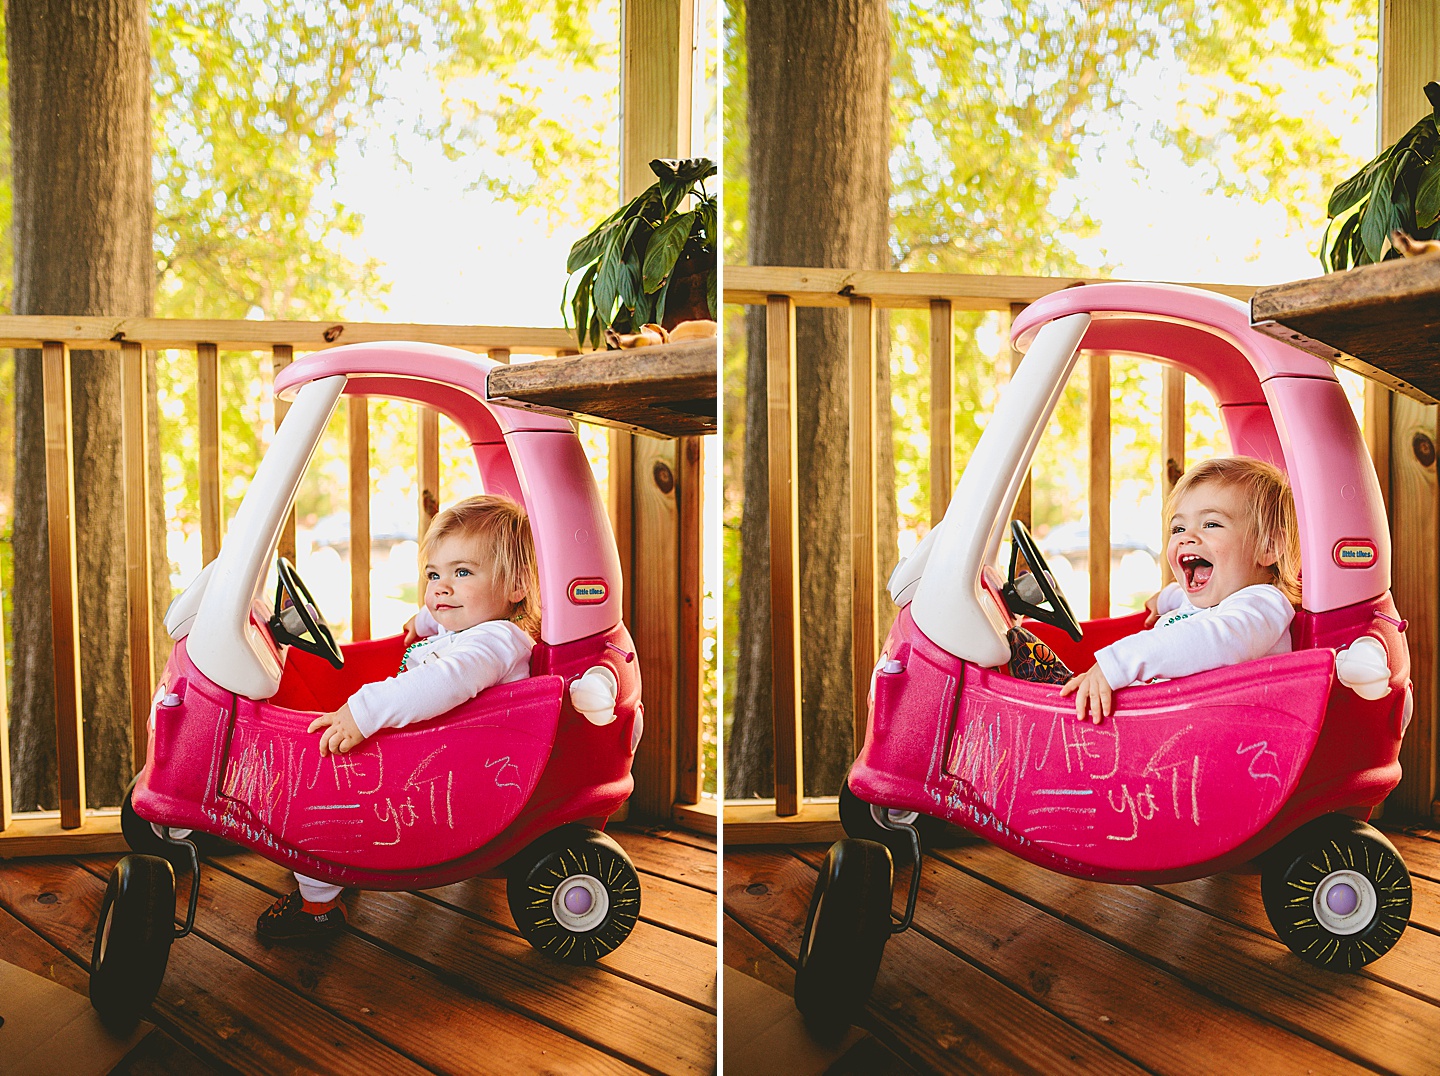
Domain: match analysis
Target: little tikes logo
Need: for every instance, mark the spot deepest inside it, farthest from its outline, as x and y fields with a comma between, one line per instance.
x=1355, y=553
x=588, y=591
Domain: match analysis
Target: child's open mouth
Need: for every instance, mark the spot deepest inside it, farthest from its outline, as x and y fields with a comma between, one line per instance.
x=1197, y=571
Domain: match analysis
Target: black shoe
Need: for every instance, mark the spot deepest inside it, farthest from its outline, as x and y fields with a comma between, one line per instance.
x=287, y=920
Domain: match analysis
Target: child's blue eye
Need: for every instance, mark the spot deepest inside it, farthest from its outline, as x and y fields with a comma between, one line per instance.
x=462, y=571
x=432, y=576
x=1212, y=523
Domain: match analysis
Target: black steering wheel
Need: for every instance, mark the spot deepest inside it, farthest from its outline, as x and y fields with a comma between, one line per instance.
x=297, y=620
x=1025, y=593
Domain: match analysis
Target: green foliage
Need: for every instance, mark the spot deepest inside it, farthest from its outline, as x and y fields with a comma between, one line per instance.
x=532, y=96
x=1398, y=191
x=627, y=262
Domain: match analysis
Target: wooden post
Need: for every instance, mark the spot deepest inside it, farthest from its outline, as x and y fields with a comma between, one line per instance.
x=64, y=595
x=784, y=552
x=1022, y=511
x=691, y=484
x=942, y=408
x=864, y=565
x=5, y=803
x=207, y=383
x=359, y=518
x=1099, y=496
x=135, y=433
x=647, y=499
x=1172, y=449
x=1409, y=43
x=281, y=355
x=499, y=354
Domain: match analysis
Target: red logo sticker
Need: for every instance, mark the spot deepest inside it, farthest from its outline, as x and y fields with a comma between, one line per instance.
x=588, y=591
x=1355, y=553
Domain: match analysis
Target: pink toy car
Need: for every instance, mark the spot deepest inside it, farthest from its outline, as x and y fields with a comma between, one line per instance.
x=1281, y=758
x=517, y=778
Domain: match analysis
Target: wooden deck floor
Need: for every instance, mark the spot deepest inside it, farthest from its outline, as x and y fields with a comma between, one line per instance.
x=1015, y=969
x=435, y=982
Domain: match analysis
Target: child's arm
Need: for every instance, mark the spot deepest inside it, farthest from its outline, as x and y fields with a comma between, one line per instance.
x=420, y=626
x=476, y=661
x=1162, y=602
x=1243, y=627
x=339, y=734
x=1092, y=692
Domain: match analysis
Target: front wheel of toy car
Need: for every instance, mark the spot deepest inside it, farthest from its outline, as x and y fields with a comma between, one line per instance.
x=845, y=935
x=1337, y=893
x=132, y=939
x=860, y=822
x=574, y=894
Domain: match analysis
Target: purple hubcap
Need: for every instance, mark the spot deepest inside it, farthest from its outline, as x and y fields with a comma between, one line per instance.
x=1342, y=898
x=578, y=900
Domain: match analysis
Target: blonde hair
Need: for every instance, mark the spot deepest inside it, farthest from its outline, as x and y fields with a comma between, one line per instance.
x=1271, y=524
x=502, y=530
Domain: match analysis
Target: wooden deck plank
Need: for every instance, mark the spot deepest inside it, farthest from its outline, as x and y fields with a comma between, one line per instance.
x=1059, y=966
x=749, y=954
x=936, y=1012
x=1353, y=1015
x=654, y=955
x=679, y=862
x=380, y=993
x=217, y=1005
x=641, y=1026
x=1413, y=965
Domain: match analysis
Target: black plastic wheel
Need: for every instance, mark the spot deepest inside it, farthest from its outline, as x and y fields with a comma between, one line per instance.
x=574, y=894
x=845, y=935
x=1337, y=893
x=132, y=940
x=858, y=818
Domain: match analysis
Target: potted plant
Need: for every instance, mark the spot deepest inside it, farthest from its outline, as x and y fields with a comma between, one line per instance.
x=651, y=261
x=1398, y=191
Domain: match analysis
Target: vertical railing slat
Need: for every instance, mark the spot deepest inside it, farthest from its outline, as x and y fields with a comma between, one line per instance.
x=359, y=424
x=207, y=383
x=133, y=395
x=1099, y=493
x=281, y=355
x=784, y=552
x=621, y=498
x=499, y=354
x=942, y=408
x=427, y=463
x=1023, y=509
x=5, y=803
x=691, y=484
x=64, y=591
x=862, y=508
x=1172, y=449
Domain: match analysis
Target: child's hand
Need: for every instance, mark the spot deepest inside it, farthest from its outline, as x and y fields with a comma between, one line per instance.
x=339, y=734
x=1152, y=610
x=411, y=634
x=1092, y=692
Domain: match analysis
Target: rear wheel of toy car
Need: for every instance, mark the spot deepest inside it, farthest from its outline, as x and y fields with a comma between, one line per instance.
x=132, y=940
x=845, y=935
x=574, y=894
x=1337, y=893
x=861, y=822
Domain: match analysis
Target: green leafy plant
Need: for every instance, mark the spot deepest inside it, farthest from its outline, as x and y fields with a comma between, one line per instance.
x=1397, y=191
x=649, y=261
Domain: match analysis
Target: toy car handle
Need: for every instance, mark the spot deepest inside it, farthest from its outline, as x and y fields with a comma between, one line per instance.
x=302, y=607
x=1024, y=594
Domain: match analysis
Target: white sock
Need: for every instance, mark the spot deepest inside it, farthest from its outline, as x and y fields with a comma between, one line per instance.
x=317, y=892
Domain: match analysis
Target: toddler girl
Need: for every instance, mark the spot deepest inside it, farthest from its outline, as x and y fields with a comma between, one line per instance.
x=479, y=623
x=1235, y=555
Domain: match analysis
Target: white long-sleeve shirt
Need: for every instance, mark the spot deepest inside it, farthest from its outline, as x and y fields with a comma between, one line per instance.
x=1254, y=622
x=442, y=671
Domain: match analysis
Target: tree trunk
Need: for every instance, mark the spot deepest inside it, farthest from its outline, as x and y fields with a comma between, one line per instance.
x=819, y=192
x=80, y=130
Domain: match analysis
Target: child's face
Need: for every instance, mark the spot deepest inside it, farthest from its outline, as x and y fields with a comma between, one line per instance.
x=1211, y=551
x=460, y=588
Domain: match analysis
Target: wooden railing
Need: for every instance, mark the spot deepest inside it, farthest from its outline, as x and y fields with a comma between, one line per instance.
x=667, y=758
x=780, y=290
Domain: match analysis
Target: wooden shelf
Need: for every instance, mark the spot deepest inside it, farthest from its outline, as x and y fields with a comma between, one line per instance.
x=668, y=390
x=1380, y=320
